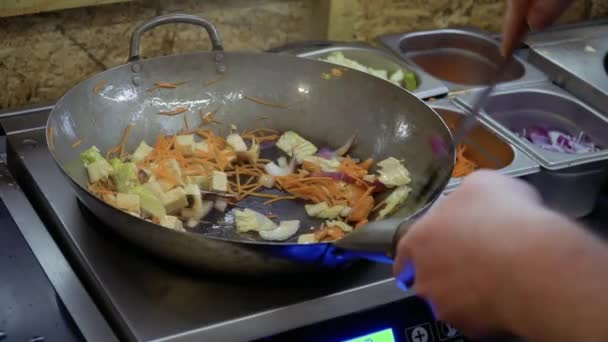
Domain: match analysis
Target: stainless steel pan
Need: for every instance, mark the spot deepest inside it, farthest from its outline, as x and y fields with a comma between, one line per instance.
x=390, y=122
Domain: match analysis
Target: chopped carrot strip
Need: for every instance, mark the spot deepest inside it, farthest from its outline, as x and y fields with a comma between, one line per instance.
x=49, y=133
x=99, y=86
x=264, y=102
x=215, y=80
x=166, y=85
x=175, y=111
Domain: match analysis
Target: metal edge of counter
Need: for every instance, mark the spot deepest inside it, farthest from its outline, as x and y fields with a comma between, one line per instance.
x=82, y=309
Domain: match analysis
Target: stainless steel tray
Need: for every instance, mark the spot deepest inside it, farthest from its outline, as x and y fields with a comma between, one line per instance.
x=461, y=59
x=546, y=104
x=569, y=184
x=577, y=63
x=379, y=59
x=488, y=148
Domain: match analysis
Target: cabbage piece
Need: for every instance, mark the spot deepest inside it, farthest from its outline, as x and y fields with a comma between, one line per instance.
x=248, y=220
x=284, y=231
x=324, y=211
x=149, y=203
x=315, y=209
x=307, y=238
x=90, y=156
x=410, y=82
x=383, y=74
x=172, y=222
x=124, y=175
x=397, y=77
x=401, y=77
x=98, y=170
x=339, y=59
x=394, y=200
x=393, y=173
x=128, y=203
x=296, y=146
x=97, y=166
x=345, y=227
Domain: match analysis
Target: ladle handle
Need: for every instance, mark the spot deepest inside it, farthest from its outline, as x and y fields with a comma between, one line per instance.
x=216, y=42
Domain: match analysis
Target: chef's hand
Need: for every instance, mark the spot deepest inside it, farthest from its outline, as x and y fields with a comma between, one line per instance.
x=537, y=14
x=490, y=258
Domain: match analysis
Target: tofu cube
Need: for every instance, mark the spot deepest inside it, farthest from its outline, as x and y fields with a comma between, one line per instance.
x=175, y=169
x=204, y=182
x=219, y=182
x=128, y=203
x=201, y=146
x=172, y=222
x=236, y=142
x=193, y=195
x=174, y=200
x=99, y=170
x=141, y=152
x=156, y=188
x=165, y=185
x=185, y=144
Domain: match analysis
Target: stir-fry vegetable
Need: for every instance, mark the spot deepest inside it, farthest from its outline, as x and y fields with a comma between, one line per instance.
x=400, y=77
x=464, y=166
x=177, y=181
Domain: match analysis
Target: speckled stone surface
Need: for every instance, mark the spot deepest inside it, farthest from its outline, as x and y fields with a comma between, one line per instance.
x=391, y=16
x=42, y=56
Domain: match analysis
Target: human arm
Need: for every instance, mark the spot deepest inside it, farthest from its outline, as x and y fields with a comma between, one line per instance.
x=490, y=258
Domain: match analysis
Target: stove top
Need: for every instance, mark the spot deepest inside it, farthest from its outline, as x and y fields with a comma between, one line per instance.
x=148, y=299
x=145, y=299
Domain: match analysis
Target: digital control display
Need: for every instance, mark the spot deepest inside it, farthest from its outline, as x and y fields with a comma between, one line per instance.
x=385, y=335
x=407, y=320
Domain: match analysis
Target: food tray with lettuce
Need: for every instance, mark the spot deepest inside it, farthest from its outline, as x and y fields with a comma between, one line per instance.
x=381, y=64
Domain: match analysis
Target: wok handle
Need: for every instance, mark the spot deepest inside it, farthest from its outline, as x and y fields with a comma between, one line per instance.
x=216, y=42
x=377, y=241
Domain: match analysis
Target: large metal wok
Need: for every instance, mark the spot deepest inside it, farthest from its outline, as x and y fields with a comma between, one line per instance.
x=390, y=122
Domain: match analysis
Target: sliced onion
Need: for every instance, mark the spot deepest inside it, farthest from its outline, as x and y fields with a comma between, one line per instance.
x=220, y=205
x=277, y=171
x=438, y=145
x=328, y=153
x=378, y=187
x=342, y=150
x=557, y=141
x=274, y=170
x=267, y=144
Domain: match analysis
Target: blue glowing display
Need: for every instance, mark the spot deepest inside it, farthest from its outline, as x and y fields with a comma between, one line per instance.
x=385, y=335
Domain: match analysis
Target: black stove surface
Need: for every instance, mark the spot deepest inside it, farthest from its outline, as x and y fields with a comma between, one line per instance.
x=147, y=299
x=29, y=306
